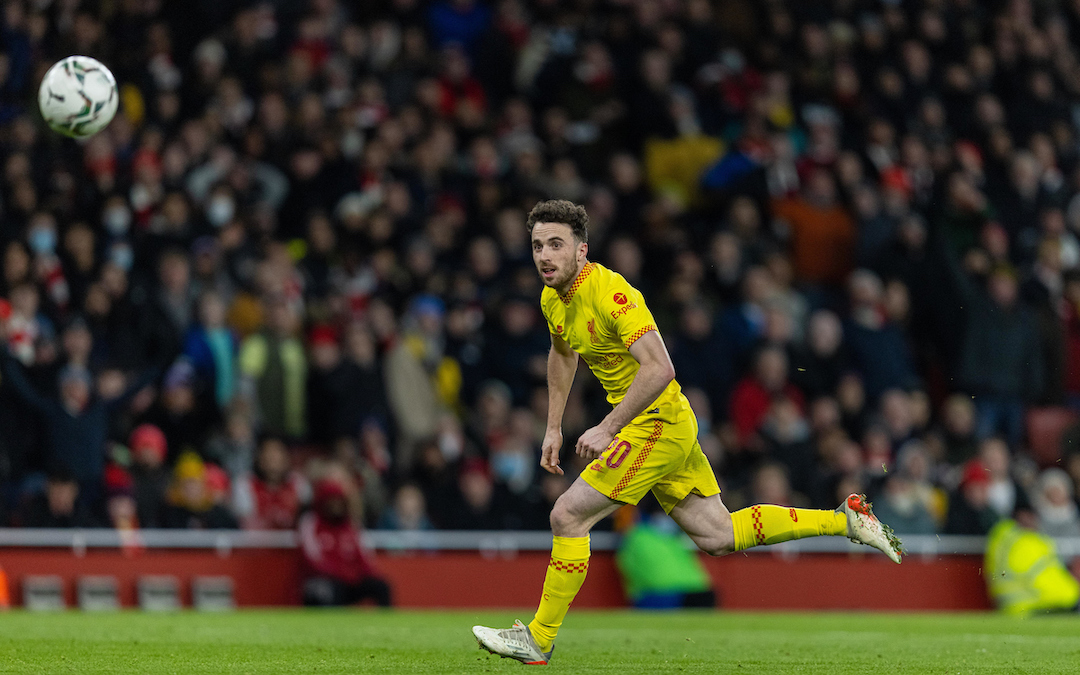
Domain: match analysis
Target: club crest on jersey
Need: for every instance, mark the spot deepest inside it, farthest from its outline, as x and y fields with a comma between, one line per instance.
x=591, y=327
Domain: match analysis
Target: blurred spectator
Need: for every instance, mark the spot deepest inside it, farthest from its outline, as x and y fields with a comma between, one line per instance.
x=58, y=505
x=820, y=366
x=76, y=423
x=969, y=506
x=1070, y=321
x=167, y=311
x=898, y=419
x=1002, y=359
x=908, y=502
x=1004, y=495
x=877, y=344
x=1055, y=504
x=191, y=503
x=753, y=395
x=958, y=426
x=272, y=496
x=233, y=447
x=788, y=439
x=185, y=413
x=345, y=383
x=435, y=474
x=822, y=231
x=411, y=392
x=770, y=485
x=743, y=324
x=150, y=476
x=338, y=570
x=26, y=325
x=121, y=510
x=274, y=362
x=518, y=346
x=699, y=354
x=211, y=348
x=480, y=503
x=514, y=460
x=408, y=511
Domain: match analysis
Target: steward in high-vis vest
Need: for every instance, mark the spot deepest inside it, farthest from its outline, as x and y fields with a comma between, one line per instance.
x=1024, y=574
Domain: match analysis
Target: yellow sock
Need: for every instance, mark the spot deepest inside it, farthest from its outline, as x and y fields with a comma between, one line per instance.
x=565, y=575
x=770, y=524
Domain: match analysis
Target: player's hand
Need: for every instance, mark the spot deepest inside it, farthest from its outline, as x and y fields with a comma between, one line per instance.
x=594, y=442
x=549, y=451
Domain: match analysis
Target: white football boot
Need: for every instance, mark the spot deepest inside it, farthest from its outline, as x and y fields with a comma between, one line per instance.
x=515, y=643
x=863, y=527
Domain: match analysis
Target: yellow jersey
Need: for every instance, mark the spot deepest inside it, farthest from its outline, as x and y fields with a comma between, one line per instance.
x=600, y=317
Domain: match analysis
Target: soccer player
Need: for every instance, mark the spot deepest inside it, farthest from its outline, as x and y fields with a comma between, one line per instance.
x=647, y=442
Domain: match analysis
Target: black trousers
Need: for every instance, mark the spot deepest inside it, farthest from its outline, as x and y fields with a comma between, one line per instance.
x=328, y=592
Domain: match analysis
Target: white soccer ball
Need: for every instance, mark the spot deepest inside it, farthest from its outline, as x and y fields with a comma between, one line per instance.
x=78, y=96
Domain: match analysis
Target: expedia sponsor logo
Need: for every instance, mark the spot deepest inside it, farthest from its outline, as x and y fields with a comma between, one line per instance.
x=603, y=361
x=615, y=314
x=619, y=298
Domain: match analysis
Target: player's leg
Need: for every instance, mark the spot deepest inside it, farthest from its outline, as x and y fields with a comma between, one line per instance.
x=573, y=516
x=692, y=497
x=706, y=521
x=718, y=532
x=575, y=513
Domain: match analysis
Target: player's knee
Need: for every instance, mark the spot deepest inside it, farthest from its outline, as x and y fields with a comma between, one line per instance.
x=717, y=545
x=564, y=523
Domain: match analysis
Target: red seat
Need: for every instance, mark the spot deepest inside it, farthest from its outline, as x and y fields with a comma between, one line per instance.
x=1044, y=429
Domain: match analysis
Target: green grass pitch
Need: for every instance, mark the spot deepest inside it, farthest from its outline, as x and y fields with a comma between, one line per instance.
x=363, y=641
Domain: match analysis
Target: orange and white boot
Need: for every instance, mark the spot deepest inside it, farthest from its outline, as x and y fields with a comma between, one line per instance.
x=863, y=527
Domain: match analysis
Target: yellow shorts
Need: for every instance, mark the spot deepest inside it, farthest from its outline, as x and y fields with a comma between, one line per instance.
x=664, y=457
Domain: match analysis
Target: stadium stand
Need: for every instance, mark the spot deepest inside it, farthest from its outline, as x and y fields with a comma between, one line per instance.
x=299, y=254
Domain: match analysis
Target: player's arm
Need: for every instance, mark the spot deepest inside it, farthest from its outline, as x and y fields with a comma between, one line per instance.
x=561, y=368
x=654, y=375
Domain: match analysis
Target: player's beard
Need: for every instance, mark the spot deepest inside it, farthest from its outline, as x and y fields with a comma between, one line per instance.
x=563, y=277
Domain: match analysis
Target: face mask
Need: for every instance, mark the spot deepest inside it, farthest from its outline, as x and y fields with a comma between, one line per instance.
x=512, y=467
x=43, y=240
x=122, y=256
x=220, y=211
x=117, y=221
x=450, y=446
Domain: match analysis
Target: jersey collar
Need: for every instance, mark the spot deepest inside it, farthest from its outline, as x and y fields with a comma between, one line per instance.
x=582, y=275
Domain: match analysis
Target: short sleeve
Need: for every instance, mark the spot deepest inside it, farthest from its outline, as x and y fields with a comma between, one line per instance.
x=625, y=312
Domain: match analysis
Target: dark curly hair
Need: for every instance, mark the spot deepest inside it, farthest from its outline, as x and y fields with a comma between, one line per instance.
x=561, y=211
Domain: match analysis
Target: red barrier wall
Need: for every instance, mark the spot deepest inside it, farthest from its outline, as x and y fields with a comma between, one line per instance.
x=819, y=581
x=260, y=576
x=468, y=579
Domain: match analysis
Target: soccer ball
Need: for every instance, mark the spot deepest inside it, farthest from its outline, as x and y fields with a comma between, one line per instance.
x=78, y=96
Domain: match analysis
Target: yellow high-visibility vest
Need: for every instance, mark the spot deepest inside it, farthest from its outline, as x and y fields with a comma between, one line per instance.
x=1024, y=574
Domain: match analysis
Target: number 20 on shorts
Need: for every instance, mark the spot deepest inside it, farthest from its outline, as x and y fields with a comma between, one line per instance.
x=618, y=454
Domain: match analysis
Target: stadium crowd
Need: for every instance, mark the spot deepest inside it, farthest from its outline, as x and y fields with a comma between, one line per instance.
x=298, y=254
